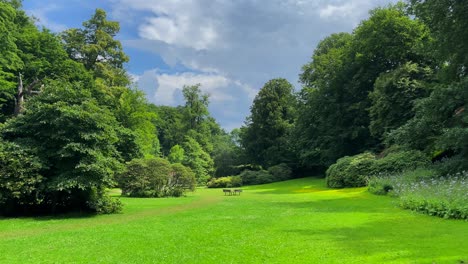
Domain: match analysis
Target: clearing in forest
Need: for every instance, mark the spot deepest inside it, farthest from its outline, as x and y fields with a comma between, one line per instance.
x=297, y=221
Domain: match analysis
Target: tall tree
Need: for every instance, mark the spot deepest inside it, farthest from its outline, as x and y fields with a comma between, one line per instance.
x=196, y=106
x=95, y=43
x=394, y=96
x=448, y=21
x=267, y=130
x=342, y=73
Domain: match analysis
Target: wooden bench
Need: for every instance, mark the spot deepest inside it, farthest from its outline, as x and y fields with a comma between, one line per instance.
x=232, y=192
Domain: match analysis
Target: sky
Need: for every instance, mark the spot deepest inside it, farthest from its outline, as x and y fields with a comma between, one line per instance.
x=230, y=47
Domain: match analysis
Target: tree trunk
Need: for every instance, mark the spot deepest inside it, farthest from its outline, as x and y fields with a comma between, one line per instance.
x=19, y=100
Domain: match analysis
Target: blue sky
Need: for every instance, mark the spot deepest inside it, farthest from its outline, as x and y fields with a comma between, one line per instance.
x=230, y=47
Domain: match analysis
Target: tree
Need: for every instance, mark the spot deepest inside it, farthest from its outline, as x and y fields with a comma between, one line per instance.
x=266, y=134
x=198, y=160
x=132, y=112
x=28, y=58
x=447, y=21
x=196, y=106
x=394, y=95
x=170, y=126
x=177, y=154
x=95, y=45
x=76, y=142
x=334, y=117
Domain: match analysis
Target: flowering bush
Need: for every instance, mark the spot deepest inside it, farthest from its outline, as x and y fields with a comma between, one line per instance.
x=420, y=191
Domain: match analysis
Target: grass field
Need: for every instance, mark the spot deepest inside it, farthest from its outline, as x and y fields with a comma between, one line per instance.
x=298, y=221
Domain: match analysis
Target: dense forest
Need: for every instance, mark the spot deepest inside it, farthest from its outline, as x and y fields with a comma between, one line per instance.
x=377, y=107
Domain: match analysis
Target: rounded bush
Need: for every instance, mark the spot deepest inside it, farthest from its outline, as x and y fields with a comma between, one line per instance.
x=256, y=177
x=225, y=182
x=280, y=172
x=156, y=177
x=397, y=162
x=350, y=171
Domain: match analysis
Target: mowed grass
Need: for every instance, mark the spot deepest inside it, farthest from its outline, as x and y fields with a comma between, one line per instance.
x=298, y=221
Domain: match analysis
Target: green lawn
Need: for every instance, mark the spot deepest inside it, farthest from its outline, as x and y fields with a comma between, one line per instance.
x=298, y=221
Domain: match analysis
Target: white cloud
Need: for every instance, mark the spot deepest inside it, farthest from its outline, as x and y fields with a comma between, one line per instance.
x=246, y=41
x=229, y=99
x=162, y=88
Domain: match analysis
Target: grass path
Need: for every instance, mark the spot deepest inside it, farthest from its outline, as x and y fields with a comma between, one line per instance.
x=298, y=221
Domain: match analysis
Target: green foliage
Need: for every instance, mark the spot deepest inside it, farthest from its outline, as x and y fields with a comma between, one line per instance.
x=382, y=184
x=198, y=160
x=95, y=44
x=225, y=182
x=266, y=135
x=350, y=171
x=103, y=204
x=396, y=162
x=170, y=126
x=20, y=177
x=443, y=197
x=440, y=121
x=281, y=172
x=133, y=113
x=196, y=106
x=74, y=139
x=256, y=177
x=155, y=177
x=394, y=95
x=227, y=155
x=447, y=21
x=333, y=119
x=176, y=154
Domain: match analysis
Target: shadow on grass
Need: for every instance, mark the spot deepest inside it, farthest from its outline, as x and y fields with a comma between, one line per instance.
x=48, y=217
x=398, y=240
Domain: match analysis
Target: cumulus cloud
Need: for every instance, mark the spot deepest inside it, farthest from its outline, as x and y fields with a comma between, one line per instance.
x=228, y=98
x=225, y=41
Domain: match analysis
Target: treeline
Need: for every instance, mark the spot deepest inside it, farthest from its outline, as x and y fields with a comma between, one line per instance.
x=398, y=82
x=72, y=123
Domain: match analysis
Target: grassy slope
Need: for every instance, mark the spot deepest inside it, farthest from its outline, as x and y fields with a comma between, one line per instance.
x=298, y=221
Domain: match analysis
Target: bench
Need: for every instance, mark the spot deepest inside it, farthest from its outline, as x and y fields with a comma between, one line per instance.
x=232, y=192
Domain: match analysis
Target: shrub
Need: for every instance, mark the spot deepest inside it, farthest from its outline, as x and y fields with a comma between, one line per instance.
x=155, y=177
x=350, y=171
x=451, y=165
x=444, y=197
x=225, y=182
x=280, y=172
x=384, y=183
x=256, y=177
x=20, y=177
x=104, y=204
x=397, y=162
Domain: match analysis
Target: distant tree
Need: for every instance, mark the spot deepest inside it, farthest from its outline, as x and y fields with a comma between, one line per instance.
x=133, y=112
x=266, y=134
x=170, y=126
x=196, y=106
x=177, y=154
x=198, y=160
